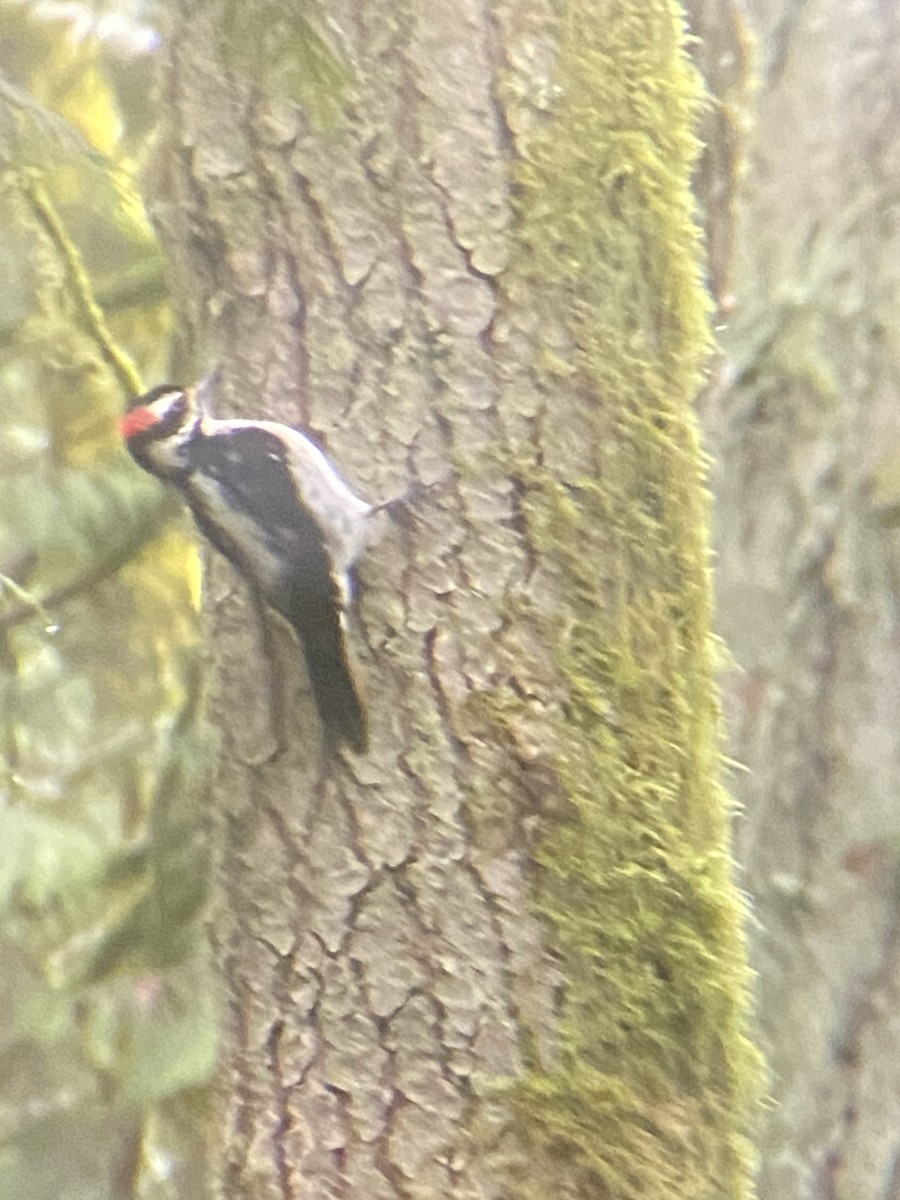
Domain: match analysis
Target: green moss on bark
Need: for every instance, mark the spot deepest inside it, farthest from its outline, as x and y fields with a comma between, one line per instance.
x=657, y=1079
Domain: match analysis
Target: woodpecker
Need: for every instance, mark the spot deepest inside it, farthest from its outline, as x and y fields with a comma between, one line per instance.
x=271, y=502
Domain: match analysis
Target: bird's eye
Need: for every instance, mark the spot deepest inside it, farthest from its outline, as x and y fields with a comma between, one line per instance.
x=175, y=410
x=177, y=405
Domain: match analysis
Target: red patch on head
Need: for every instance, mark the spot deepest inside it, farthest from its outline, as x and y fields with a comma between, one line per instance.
x=137, y=421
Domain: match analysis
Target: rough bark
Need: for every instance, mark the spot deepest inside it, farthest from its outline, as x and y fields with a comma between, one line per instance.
x=501, y=954
x=805, y=437
x=722, y=48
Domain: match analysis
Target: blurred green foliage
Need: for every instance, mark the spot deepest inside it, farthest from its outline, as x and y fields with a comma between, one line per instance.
x=110, y=1029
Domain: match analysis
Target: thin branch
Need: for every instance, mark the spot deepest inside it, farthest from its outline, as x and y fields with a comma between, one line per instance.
x=100, y=569
x=95, y=322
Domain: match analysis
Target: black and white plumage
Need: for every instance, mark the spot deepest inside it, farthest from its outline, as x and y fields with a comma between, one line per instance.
x=271, y=502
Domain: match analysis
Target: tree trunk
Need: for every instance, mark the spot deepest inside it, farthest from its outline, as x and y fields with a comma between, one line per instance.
x=806, y=440
x=501, y=954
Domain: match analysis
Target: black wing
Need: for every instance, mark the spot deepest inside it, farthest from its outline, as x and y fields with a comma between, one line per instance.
x=259, y=515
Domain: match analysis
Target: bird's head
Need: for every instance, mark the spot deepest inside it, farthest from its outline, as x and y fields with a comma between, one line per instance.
x=155, y=415
x=157, y=427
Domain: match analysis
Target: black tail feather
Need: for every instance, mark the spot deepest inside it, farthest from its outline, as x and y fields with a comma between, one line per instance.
x=314, y=612
x=340, y=709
